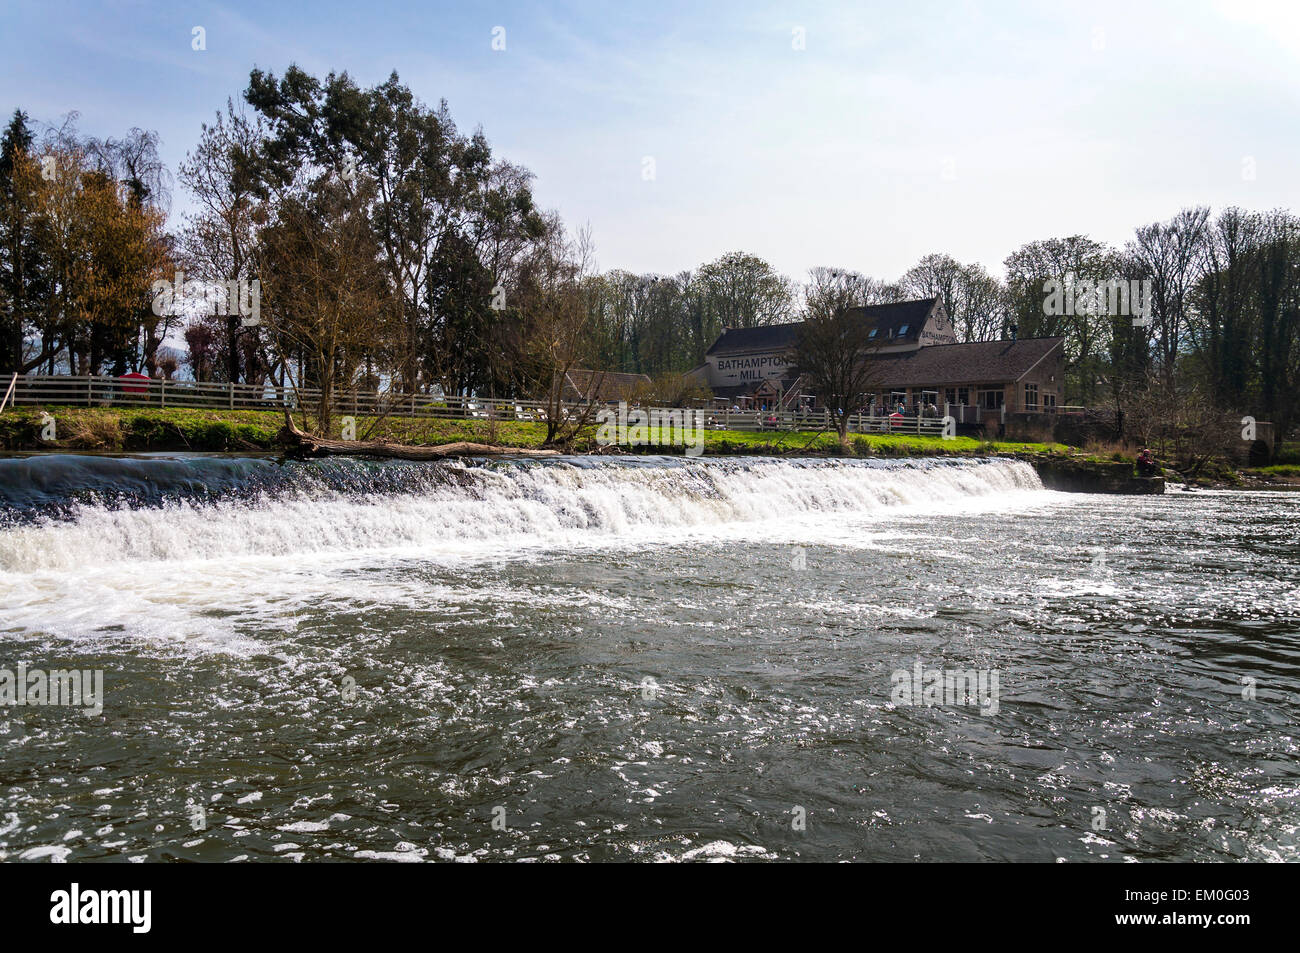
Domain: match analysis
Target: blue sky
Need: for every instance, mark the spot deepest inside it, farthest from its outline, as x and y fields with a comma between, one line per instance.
x=898, y=129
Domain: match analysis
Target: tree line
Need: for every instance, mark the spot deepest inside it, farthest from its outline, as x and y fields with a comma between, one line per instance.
x=388, y=249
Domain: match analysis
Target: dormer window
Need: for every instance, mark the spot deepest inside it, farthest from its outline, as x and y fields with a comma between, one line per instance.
x=902, y=332
x=874, y=332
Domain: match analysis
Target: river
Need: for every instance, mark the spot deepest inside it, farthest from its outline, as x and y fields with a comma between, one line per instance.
x=653, y=660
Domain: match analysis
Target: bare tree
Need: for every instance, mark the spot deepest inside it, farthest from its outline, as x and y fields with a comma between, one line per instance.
x=558, y=338
x=133, y=160
x=219, y=239
x=1172, y=256
x=325, y=289
x=973, y=299
x=744, y=291
x=1183, y=425
x=835, y=347
x=1068, y=262
x=1222, y=332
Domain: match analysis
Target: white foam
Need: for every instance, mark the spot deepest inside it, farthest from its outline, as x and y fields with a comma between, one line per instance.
x=203, y=577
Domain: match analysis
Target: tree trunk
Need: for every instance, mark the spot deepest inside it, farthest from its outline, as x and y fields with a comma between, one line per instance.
x=300, y=444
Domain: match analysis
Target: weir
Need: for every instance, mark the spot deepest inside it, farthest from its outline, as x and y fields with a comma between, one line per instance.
x=70, y=512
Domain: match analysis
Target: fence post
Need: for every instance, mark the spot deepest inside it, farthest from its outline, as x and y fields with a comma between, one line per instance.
x=162, y=392
x=232, y=395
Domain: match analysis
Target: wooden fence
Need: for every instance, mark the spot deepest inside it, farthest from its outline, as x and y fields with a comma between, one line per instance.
x=65, y=390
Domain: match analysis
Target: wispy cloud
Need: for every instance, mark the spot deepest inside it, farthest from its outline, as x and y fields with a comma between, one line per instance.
x=873, y=135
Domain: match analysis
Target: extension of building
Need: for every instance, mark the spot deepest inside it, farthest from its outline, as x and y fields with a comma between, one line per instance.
x=582, y=385
x=920, y=365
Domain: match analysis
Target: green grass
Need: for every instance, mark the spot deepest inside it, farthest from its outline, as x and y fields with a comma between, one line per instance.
x=741, y=441
x=140, y=429
x=126, y=429
x=1281, y=469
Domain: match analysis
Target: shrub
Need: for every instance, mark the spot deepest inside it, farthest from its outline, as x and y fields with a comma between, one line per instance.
x=91, y=430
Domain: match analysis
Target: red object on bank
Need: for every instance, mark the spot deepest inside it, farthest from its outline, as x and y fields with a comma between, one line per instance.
x=134, y=388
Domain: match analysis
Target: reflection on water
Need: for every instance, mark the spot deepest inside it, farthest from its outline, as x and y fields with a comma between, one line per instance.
x=658, y=660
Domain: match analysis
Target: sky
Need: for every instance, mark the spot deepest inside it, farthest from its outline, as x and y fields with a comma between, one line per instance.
x=856, y=135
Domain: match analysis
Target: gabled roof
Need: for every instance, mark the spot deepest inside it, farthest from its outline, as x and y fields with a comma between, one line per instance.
x=980, y=362
x=608, y=385
x=890, y=318
x=767, y=337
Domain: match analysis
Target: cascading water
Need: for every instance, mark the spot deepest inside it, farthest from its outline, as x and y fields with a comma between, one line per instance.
x=209, y=550
x=86, y=512
x=642, y=659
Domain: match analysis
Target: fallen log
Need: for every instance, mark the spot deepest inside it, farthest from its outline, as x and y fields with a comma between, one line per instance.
x=300, y=444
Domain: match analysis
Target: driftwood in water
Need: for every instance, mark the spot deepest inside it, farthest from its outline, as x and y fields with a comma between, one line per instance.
x=300, y=444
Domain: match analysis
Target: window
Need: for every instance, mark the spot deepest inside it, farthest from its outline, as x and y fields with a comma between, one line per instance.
x=1031, y=397
x=963, y=395
x=1049, y=403
x=950, y=395
x=991, y=399
x=874, y=332
x=903, y=330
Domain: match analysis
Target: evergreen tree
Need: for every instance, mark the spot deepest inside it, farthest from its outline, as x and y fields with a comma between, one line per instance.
x=23, y=274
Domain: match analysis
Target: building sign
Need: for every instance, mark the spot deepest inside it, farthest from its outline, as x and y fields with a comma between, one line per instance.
x=775, y=364
x=937, y=337
x=743, y=370
x=938, y=330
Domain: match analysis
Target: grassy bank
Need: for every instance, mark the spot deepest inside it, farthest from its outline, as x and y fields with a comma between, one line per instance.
x=126, y=430
x=131, y=429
